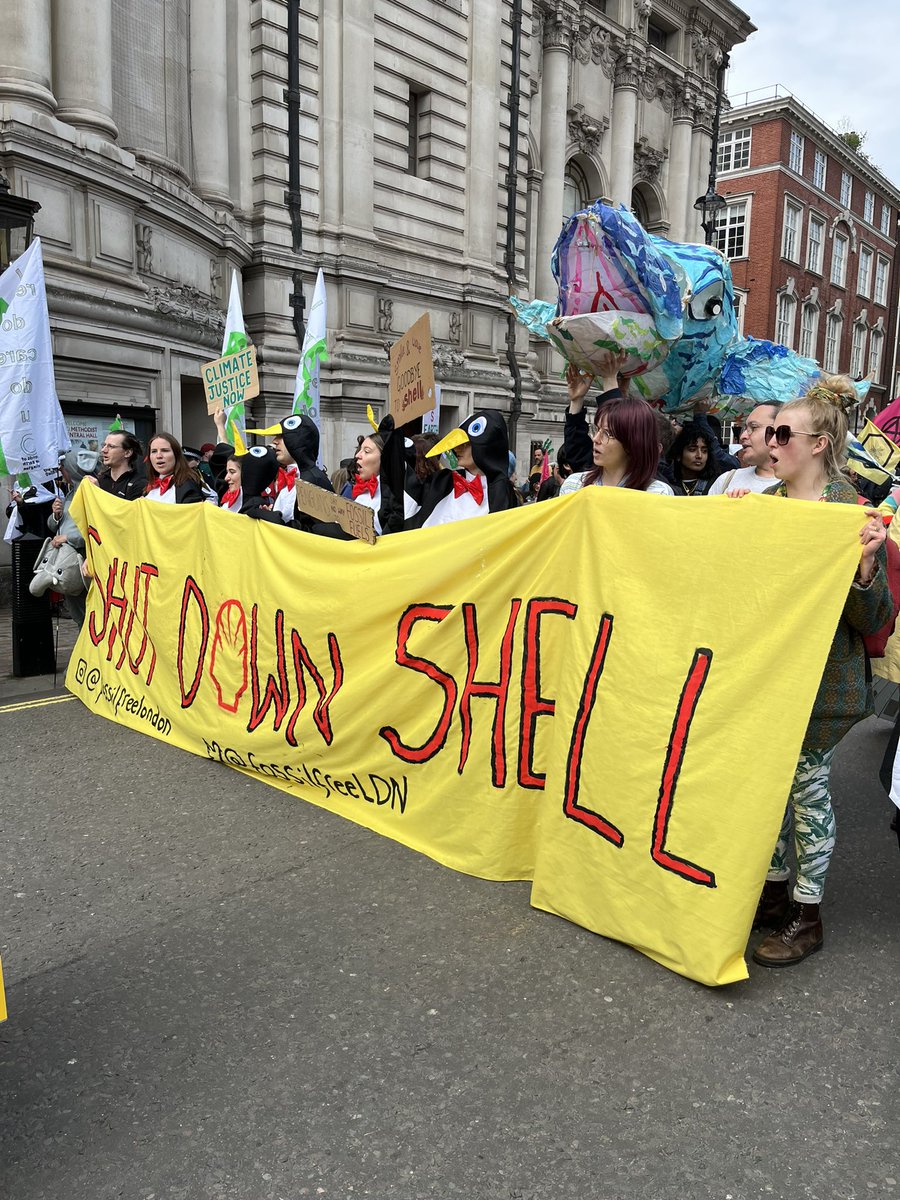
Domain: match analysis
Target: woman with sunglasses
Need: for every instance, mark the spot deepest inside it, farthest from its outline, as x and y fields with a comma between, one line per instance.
x=807, y=450
x=625, y=449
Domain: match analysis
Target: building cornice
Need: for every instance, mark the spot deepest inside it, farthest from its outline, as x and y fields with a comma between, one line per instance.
x=788, y=107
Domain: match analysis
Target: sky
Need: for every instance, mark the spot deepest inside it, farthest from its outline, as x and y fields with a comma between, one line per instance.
x=839, y=59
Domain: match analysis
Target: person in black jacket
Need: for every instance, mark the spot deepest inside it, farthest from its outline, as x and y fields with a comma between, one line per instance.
x=123, y=469
x=169, y=478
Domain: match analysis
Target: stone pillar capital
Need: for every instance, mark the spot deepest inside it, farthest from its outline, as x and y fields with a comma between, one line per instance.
x=560, y=21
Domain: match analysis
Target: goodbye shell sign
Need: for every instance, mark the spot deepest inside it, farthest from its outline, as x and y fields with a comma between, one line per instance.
x=412, y=373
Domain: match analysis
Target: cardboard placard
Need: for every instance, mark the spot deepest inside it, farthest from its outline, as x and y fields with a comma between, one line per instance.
x=230, y=380
x=412, y=373
x=355, y=519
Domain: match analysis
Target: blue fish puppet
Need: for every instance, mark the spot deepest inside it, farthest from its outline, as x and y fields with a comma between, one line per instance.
x=669, y=306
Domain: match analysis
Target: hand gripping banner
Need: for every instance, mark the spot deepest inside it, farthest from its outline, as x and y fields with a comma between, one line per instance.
x=605, y=694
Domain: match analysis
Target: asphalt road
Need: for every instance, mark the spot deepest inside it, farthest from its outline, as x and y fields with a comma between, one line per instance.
x=217, y=991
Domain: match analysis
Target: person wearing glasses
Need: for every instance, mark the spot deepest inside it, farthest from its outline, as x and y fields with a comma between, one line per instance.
x=806, y=445
x=758, y=472
x=625, y=449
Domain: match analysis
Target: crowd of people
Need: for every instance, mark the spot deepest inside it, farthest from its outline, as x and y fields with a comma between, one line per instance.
x=791, y=451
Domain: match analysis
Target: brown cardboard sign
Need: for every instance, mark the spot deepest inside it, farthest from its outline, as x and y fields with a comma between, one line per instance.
x=412, y=373
x=355, y=519
x=230, y=380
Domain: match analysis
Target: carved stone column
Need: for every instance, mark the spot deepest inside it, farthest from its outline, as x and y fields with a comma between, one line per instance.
x=559, y=23
x=209, y=101
x=680, y=198
x=25, y=54
x=82, y=64
x=624, y=126
x=484, y=132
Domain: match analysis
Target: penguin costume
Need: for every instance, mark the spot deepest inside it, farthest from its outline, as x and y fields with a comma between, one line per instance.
x=259, y=469
x=300, y=436
x=483, y=443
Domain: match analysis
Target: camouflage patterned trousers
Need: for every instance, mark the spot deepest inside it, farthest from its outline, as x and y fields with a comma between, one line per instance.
x=810, y=812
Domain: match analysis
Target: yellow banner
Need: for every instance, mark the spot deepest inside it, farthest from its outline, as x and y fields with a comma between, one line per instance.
x=605, y=694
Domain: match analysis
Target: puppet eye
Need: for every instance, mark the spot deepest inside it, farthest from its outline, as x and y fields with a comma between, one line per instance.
x=477, y=427
x=258, y=451
x=708, y=303
x=291, y=423
x=407, y=442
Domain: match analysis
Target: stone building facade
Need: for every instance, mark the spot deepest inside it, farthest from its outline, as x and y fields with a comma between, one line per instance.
x=810, y=230
x=155, y=139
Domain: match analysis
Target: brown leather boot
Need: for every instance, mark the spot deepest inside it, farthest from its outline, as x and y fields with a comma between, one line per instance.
x=801, y=936
x=774, y=906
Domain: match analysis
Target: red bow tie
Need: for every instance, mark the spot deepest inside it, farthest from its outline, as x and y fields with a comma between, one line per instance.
x=229, y=498
x=369, y=485
x=285, y=479
x=164, y=482
x=474, y=487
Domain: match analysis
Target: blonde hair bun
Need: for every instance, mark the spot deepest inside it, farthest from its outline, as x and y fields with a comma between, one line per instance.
x=837, y=390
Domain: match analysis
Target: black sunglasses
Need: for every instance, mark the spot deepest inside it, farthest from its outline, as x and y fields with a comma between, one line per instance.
x=784, y=433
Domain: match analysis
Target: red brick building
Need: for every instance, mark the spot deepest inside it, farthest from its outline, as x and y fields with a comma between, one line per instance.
x=810, y=230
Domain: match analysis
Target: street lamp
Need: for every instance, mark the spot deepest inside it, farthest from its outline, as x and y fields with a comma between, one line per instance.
x=709, y=207
x=16, y=223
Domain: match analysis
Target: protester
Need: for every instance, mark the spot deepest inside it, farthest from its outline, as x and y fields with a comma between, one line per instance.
x=169, y=478
x=371, y=489
x=480, y=484
x=625, y=449
x=756, y=472
x=576, y=436
x=693, y=461
x=123, y=469
x=77, y=465
x=807, y=448
x=249, y=476
x=549, y=489
x=295, y=442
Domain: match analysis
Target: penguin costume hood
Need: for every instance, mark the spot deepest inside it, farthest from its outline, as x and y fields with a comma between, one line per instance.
x=300, y=435
x=448, y=495
x=259, y=468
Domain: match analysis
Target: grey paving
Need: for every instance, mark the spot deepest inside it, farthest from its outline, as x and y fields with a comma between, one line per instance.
x=219, y=991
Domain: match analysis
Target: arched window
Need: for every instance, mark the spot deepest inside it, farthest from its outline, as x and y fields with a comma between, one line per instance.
x=576, y=193
x=876, y=341
x=809, y=330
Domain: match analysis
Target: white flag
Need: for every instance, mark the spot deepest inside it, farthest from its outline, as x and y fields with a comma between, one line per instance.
x=33, y=433
x=306, y=385
x=233, y=341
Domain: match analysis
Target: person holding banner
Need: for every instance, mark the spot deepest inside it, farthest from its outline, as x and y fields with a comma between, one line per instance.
x=480, y=485
x=169, y=478
x=249, y=476
x=807, y=450
x=625, y=449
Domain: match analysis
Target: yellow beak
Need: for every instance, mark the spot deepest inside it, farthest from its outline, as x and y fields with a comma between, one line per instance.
x=270, y=432
x=455, y=438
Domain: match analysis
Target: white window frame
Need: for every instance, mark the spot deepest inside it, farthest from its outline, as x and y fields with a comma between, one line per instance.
x=864, y=271
x=724, y=225
x=834, y=329
x=857, y=349
x=820, y=169
x=795, y=153
x=785, y=320
x=817, y=222
x=839, y=280
x=792, y=230
x=869, y=207
x=809, y=329
x=882, y=278
x=886, y=219
x=734, y=146
x=740, y=305
x=876, y=345
x=846, y=189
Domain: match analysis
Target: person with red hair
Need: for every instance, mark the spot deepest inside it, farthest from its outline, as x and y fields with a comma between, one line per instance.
x=625, y=448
